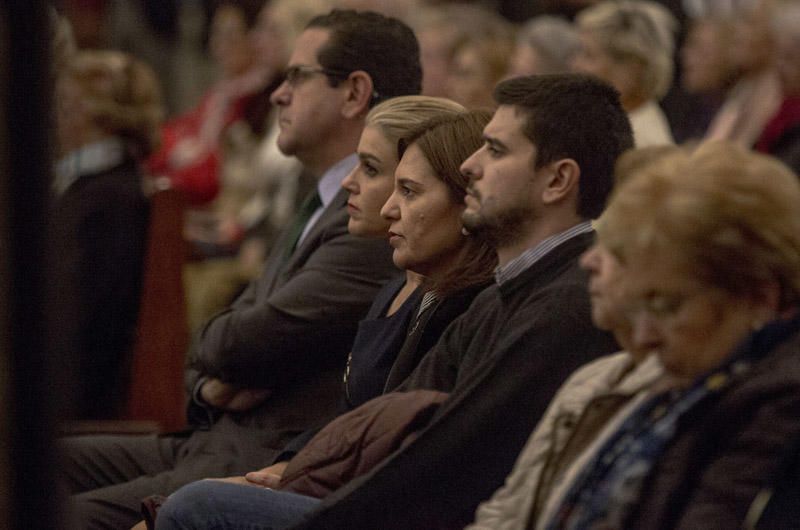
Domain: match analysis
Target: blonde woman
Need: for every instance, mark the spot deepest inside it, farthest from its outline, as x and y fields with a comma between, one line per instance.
x=630, y=45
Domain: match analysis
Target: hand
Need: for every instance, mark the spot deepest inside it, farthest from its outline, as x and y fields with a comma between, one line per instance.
x=231, y=397
x=140, y=526
x=269, y=477
x=233, y=480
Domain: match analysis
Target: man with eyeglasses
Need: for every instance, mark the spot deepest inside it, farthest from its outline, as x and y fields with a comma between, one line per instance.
x=269, y=366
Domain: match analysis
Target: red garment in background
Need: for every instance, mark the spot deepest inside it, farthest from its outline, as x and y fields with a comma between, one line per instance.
x=189, y=153
x=788, y=116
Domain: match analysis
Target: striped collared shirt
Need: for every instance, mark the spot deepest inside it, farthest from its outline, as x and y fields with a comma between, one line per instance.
x=525, y=260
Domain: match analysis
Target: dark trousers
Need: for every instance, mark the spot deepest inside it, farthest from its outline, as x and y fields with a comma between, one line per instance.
x=107, y=477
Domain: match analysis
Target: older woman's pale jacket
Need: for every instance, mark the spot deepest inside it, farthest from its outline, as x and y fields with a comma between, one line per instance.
x=585, y=403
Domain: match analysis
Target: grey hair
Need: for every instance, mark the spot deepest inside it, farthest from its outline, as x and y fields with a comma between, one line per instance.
x=555, y=40
x=642, y=30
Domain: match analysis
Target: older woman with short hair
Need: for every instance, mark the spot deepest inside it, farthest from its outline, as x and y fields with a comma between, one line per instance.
x=630, y=45
x=709, y=241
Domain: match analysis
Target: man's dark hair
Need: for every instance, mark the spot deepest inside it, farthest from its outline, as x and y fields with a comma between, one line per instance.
x=384, y=47
x=573, y=116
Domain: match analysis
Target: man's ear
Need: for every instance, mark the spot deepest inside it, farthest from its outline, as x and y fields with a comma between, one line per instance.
x=562, y=182
x=359, y=94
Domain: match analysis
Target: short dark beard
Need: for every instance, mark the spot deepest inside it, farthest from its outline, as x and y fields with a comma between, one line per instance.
x=503, y=230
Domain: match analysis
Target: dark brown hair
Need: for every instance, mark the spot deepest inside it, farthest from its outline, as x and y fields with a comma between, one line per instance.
x=383, y=47
x=572, y=116
x=447, y=141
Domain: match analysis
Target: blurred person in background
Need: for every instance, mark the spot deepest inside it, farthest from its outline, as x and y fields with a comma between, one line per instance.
x=755, y=94
x=707, y=70
x=440, y=28
x=630, y=45
x=108, y=113
x=781, y=135
x=189, y=156
x=545, y=45
x=480, y=59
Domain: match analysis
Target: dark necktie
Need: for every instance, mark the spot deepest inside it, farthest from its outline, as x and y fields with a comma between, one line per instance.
x=307, y=209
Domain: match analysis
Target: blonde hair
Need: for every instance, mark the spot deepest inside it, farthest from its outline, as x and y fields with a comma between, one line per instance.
x=396, y=117
x=122, y=95
x=729, y=215
x=639, y=30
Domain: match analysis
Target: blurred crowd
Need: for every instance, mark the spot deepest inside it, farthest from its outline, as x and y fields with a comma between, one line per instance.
x=701, y=69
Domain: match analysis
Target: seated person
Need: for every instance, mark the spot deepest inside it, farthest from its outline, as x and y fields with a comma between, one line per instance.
x=710, y=246
x=109, y=110
x=447, y=270
x=424, y=213
x=590, y=397
x=260, y=187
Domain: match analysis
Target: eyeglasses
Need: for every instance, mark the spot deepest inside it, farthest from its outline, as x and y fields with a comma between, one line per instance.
x=298, y=73
x=664, y=307
x=294, y=75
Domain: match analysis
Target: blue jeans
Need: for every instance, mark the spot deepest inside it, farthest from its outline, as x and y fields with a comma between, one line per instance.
x=214, y=505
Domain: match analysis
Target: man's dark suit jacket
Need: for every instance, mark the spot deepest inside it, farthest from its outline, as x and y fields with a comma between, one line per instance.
x=502, y=361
